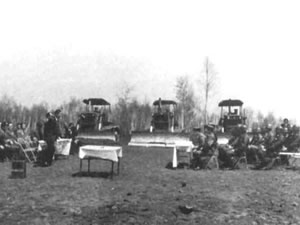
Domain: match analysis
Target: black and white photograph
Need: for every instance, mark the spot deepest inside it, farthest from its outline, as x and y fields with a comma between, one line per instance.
x=149, y=112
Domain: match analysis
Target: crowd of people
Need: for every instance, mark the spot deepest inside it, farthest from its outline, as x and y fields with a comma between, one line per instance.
x=15, y=137
x=260, y=147
x=11, y=138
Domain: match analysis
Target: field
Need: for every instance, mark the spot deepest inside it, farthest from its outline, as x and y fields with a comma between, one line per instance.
x=146, y=192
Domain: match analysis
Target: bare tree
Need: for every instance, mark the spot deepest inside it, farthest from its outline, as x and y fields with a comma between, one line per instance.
x=185, y=96
x=209, y=83
x=270, y=119
x=260, y=118
x=249, y=113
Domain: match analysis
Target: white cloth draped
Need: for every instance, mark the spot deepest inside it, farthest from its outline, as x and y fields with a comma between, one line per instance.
x=104, y=152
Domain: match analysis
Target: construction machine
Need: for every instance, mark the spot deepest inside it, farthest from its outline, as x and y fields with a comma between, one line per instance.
x=163, y=131
x=93, y=125
x=232, y=115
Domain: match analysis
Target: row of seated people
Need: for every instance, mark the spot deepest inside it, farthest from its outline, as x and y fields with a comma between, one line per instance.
x=261, y=149
x=12, y=140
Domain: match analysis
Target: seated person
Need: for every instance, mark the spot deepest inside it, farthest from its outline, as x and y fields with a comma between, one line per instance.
x=20, y=132
x=226, y=151
x=242, y=143
x=9, y=130
x=292, y=142
x=255, y=145
x=8, y=142
x=267, y=157
x=208, y=148
x=236, y=147
x=198, y=140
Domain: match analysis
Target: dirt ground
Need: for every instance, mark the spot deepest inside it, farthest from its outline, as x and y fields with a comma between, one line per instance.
x=146, y=192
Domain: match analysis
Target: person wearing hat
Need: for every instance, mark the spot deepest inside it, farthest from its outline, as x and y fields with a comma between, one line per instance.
x=294, y=143
x=255, y=144
x=226, y=152
x=268, y=157
x=10, y=131
x=209, y=147
x=50, y=135
x=268, y=136
x=242, y=143
x=237, y=146
x=278, y=142
x=198, y=140
x=286, y=124
x=58, y=122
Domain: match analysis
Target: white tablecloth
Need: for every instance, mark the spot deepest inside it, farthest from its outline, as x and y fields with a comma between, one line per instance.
x=62, y=148
x=188, y=147
x=99, y=151
x=291, y=154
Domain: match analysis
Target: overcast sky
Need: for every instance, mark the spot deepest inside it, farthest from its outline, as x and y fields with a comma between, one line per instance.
x=52, y=50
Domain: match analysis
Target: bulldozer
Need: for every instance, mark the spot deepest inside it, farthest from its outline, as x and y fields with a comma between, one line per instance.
x=163, y=131
x=232, y=115
x=93, y=125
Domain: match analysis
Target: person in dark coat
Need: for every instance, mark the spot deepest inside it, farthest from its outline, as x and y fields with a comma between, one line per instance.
x=40, y=132
x=51, y=134
x=59, y=124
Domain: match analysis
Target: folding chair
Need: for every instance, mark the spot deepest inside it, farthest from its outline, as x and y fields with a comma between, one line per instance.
x=29, y=152
x=241, y=162
x=212, y=163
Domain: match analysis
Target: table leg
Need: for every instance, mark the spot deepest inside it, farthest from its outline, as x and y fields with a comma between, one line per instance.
x=119, y=161
x=88, y=165
x=80, y=166
x=174, y=162
x=112, y=169
x=293, y=161
x=190, y=159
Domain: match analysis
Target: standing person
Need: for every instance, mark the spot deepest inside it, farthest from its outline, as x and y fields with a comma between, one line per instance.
x=72, y=134
x=50, y=134
x=286, y=124
x=39, y=128
x=58, y=125
x=58, y=128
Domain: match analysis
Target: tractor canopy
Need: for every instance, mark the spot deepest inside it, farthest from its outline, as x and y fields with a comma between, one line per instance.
x=96, y=101
x=164, y=102
x=231, y=102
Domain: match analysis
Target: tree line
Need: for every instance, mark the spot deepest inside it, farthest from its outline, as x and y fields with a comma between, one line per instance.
x=131, y=114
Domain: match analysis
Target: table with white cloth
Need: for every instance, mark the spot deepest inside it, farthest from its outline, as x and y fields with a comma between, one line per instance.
x=186, y=147
x=109, y=153
x=293, y=157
